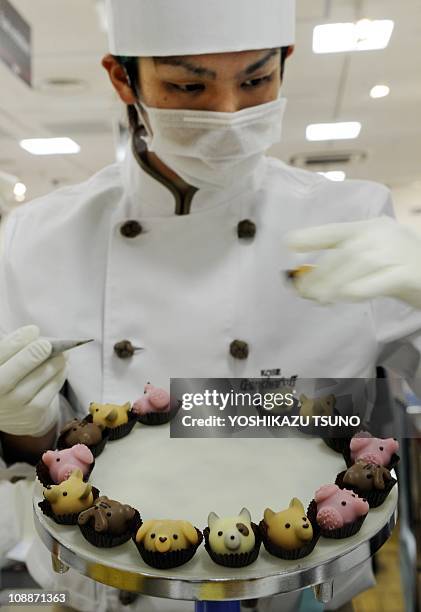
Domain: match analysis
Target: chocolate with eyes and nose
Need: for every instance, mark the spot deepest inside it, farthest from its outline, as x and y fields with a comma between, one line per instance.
x=367, y=476
x=81, y=432
x=108, y=515
x=289, y=529
x=231, y=534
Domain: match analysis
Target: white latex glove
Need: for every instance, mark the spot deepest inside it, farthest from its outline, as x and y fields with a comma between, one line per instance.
x=29, y=383
x=366, y=259
x=17, y=529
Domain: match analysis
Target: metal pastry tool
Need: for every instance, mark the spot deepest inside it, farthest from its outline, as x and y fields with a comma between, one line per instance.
x=59, y=346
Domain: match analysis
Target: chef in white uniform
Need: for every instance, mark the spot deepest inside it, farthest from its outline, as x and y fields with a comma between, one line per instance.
x=180, y=249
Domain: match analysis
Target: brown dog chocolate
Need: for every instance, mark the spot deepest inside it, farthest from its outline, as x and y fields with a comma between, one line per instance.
x=367, y=476
x=81, y=432
x=108, y=516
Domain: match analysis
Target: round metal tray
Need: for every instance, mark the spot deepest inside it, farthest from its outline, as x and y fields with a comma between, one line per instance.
x=222, y=475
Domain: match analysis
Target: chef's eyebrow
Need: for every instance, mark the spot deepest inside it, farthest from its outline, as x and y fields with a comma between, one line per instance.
x=260, y=63
x=180, y=62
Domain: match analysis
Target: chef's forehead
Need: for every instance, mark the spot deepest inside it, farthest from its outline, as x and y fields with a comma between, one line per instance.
x=207, y=64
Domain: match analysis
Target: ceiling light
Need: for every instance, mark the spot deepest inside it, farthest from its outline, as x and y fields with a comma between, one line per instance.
x=19, y=191
x=380, y=91
x=334, y=175
x=50, y=146
x=333, y=131
x=63, y=85
x=365, y=35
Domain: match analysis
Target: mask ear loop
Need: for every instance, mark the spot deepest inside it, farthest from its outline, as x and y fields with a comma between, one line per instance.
x=140, y=132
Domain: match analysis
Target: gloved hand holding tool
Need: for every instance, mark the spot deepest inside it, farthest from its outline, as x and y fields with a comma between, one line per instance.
x=30, y=380
x=365, y=259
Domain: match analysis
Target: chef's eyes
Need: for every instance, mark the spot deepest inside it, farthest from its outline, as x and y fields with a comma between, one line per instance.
x=196, y=88
x=254, y=83
x=189, y=88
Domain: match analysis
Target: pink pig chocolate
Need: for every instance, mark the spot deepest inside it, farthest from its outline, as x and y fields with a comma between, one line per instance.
x=62, y=463
x=154, y=400
x=338, y=507
x=373, y=450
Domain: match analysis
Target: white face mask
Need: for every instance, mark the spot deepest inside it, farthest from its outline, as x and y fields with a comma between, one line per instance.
x=212, y=150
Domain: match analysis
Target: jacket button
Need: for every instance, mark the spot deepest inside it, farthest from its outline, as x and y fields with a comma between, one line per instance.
x=246, y=229
x=131, y=229
x=124, y=349
x=239, y=349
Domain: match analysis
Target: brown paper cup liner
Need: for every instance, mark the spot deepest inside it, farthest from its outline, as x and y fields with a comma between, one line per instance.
x=375, y=497
x=349, y=461
x=346, y=531
x=96, y=449
x=232, y=559
x=158, y=418
x=168, y=560
x=298, y=553
x=122, y=431
x=337, y=444
x=337, y=438
x=108, y=540
x=62, y=519
x=45, y=479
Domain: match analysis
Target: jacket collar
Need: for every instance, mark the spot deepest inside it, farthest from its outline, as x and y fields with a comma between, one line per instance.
x=149, y=194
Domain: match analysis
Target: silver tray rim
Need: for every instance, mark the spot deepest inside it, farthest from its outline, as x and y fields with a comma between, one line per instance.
x=213, y=589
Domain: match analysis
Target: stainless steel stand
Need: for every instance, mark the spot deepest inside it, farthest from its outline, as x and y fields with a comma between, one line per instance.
x=319, y=576
x=202, y=580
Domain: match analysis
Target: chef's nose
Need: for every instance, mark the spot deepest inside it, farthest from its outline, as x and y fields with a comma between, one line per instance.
x=225, y=101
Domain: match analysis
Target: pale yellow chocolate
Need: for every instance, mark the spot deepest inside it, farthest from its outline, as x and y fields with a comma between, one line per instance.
x=71, y=495
x=289, y=529
x=166, y=535
x=297, y=273
x=231, y=535
x=109, y=415
x=319, y=406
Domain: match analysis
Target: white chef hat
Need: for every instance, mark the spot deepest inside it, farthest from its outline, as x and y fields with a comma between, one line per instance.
x=193, y=27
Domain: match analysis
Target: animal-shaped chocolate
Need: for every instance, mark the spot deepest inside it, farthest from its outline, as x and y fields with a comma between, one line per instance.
x=319, y=406
x=337, y=507
x=72, y=495
x=153, y=400
x=289, y=529
x=81, y=432
x=108, y=516
x=373, y=450
x=61, y=463
x=367, y=476
x=109, y=415
x=166, y=535
x=232, y=534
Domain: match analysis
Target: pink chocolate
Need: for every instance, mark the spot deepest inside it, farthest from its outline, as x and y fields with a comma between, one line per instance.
x=154, y=400
x=62, y=463
x=373, y=450
x=337, y=507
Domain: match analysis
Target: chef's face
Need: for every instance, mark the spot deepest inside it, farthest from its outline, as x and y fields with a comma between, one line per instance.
x=221, y=82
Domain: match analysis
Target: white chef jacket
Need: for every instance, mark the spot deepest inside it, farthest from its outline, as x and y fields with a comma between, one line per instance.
x=188, y=284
